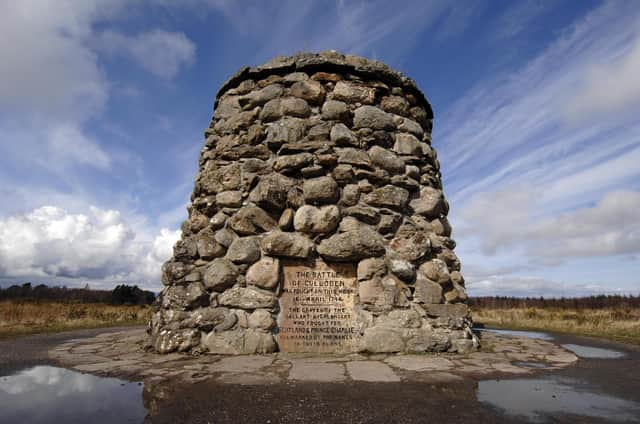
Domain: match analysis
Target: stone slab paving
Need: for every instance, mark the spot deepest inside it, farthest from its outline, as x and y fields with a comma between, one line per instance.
x=371, y=371
x=124, y=354
x=420, y=363
x=326, y=372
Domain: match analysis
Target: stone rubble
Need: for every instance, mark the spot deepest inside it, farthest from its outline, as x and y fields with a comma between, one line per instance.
x=315, y=155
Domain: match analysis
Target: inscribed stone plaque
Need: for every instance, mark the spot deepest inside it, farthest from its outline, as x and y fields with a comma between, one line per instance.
x=317, y=308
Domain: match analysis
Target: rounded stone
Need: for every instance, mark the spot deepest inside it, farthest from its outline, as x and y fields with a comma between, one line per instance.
x=244, y=250
x=410, y=242
x=310, y=219
x=353, y=93
x=352, y=245
x=288, y=245
x=333, y=110
x=261, y=319
x=309, y=90
x=265, y=273
x=430, y=204
x=426, y=291
x=342, y=136
x=404, y=269
x=388, y=196
x=395, y=104
x=220, y=274
x=247, y=298
x=372, y=117
x=320, y=190
x=385, y=159
x=436, y=270
x=286, y=219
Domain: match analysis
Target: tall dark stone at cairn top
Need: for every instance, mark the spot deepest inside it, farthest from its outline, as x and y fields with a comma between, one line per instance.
x=317, y=222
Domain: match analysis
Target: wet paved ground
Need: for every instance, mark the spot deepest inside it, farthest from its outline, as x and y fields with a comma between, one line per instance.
x=122, y=354
x=514, y=379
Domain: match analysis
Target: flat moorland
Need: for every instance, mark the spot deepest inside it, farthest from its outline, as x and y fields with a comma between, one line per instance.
x=18, y=317
x=609, y=317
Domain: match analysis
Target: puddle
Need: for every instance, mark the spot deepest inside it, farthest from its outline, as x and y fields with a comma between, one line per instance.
x=593, y=352
x=529, y=334
x=536, y=399
x=47, y=394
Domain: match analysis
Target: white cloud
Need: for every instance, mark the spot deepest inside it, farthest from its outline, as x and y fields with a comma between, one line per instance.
x=507, y=221
x=607, y=87
x=611, y=227
x=46, y=66
x=160, y=52
x=67, y=145
x=498, y=218
x=533, y=287
x=51, y=242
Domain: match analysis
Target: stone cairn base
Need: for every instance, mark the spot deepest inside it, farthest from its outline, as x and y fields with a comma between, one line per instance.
x=316, y=159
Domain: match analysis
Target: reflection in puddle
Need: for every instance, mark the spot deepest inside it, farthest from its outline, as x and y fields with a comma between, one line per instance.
x=46, y=394
x=535, y=398
x=529, y=334
x=593, y=352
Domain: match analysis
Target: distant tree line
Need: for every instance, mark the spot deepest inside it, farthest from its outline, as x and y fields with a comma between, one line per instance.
x=121, y=295
x=591, y=302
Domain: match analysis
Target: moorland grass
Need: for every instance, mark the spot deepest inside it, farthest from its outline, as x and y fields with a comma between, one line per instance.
x=28, y=317
x=618, y=323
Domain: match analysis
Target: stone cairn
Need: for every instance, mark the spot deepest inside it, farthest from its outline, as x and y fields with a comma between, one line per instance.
x=316, y=157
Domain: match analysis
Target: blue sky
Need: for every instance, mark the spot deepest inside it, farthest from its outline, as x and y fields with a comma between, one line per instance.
x=103, y=105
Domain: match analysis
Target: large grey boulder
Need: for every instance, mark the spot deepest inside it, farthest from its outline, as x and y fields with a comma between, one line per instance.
x=309, y=90
x=436, y=270
x=388, y=196
x=167, y=341
x=310, y=219
x=352, y=245
x=372, y=117
x=239, y=342
x=244, y=250
x=320, y=190
x=426, y=291
x=352, y=93
x=333, y=110
x=430, y=204
x=251, y=220
x=288, y=245
x=265, y=273
x=343, y=136
x=386, y=159
x=220, y=274
x=247, y=298
x=271, y=191
x=184, y=297
x=383, y=340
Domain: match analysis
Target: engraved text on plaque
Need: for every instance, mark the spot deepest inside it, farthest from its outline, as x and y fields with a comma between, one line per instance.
x=317, y=308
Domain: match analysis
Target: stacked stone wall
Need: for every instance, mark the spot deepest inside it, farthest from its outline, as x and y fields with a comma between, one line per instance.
x=315, y=156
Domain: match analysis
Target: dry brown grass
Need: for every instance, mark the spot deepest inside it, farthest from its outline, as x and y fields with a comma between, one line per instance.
x=35, y=317
x=621, y=324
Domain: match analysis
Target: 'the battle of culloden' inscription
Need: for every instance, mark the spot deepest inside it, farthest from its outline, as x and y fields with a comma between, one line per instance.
x=317, y=308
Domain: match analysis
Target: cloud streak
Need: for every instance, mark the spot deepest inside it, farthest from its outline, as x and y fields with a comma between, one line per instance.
x=540, y=164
